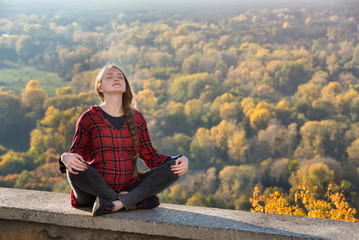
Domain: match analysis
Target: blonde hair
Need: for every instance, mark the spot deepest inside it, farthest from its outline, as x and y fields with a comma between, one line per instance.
x=128, y=104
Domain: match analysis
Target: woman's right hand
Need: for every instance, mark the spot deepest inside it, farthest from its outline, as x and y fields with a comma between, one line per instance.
x=73, y=161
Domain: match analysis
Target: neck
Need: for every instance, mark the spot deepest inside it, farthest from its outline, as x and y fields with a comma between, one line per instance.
x=113, y=105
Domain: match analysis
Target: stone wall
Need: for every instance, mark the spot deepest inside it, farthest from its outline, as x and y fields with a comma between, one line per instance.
x=26, y=214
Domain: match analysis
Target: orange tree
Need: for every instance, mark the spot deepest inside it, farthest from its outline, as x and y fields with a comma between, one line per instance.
x=307, y=203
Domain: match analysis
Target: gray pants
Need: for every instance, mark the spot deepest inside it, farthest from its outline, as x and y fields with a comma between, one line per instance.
x=89, y=184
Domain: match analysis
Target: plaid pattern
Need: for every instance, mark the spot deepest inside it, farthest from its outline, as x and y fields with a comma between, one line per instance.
x=109, y=151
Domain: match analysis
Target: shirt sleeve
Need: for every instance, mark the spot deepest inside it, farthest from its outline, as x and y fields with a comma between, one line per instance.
x=62, y=166
x=148, y=153
x=80, y=142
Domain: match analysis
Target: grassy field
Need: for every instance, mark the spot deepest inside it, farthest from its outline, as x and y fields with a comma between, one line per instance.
x=16, y=79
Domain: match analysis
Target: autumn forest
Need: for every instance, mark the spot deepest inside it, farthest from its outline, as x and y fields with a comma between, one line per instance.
x=253, y=95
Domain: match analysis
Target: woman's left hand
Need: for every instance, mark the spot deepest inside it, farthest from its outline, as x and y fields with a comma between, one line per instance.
x=181, y=166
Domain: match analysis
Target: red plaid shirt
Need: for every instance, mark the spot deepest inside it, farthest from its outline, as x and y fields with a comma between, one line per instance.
x=109, y=150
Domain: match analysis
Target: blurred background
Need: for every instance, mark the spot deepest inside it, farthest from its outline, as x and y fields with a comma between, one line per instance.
x=255, y=93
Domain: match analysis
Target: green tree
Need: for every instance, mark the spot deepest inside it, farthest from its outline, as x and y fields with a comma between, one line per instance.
x=15, y=123
x=190, y=86
x=14, y=162
x=26, y=180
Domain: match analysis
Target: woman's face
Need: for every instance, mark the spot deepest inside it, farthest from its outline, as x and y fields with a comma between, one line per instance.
x=113, y=81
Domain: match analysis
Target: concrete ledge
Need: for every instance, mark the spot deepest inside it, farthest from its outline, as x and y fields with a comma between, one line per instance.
x=37, y=212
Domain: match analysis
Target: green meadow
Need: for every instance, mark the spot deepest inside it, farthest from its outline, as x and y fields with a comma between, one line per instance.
x=16, y=79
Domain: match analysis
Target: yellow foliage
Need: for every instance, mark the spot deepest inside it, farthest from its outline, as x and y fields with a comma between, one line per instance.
x=307, y=203
x=147, y=100
x=221, y=133
x=240, y=18
x=285, y=25
x=259, y=118
x=33, y=96
x=283, y=104
x=259, y=115
x=229, y=110
x=237, y=146
x=248, y=105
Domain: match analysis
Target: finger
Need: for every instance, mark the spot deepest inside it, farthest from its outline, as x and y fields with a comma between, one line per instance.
x=78, y=162
x=78, y=168
x=178, y=163
x=70, y=170
x=78, y=156
x=176, y=168
x=181, y=166
x=179, y=173
x=179, y=170
x=79, y=165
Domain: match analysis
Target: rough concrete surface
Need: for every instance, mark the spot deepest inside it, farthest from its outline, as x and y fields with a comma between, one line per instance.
x=167, y=221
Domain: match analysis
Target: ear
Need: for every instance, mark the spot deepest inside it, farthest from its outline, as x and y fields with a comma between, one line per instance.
x=100, y=88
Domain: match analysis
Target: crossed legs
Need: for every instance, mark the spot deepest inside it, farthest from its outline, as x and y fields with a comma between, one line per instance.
x=89, y=184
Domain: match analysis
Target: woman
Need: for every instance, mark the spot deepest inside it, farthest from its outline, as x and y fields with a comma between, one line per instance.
x=101, y=165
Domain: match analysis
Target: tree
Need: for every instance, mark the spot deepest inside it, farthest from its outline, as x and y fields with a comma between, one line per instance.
x=230, y=111
x=26, y=180
x=177, y=144
x=276, y=141
x=237, y=146
x=16, y=124
x=195, y=186
x=173, y=118
x=26, y=47
x=55, y=130
x=333, y=64
x=221, y=133
x=317, y=174
x=33, y=96
x=201, y=149
x=221, y=106
x=259, y=118
x=191, y=64
x=322, y=139
x=84, y=81
x=193, y=111
x=248, y=105
x=147, y=101
x=308, y=91
x=190, y=86
x=330, y=91
x=280, y=172
x=353, y=153
x=236, y=181
x=291, y=75
x=66, y=98
x=332, y=205
x=14, y=162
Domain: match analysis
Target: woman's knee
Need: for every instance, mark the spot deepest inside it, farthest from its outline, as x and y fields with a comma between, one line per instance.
x=79, y=174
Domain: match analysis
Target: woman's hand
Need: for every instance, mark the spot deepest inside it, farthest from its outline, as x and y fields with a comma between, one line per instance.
x=73, y=161
x=181, y=166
